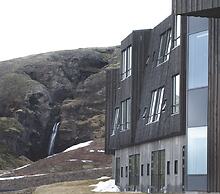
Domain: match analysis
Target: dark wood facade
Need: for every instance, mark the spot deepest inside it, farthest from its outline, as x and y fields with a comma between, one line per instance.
x=214, y=107
x=202, y=8
x=146, y=77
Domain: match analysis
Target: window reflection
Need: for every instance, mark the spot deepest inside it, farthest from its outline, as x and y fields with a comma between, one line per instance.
x=198, y=60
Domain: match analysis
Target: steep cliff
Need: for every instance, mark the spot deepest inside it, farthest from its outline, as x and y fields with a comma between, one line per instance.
x=40, y=90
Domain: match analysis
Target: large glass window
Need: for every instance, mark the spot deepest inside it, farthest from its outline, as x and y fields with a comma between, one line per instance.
x=156, y=105
x=116, y=121
x=177, y=31
x=126, y=114
x=126, y=62
x=165, y=45
x=175, y=94
x=198, y=60
x=197, y=150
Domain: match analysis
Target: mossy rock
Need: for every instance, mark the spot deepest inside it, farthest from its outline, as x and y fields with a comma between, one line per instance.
x=10, y=125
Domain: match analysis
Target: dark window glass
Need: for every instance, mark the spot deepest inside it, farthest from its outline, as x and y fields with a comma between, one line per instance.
x=126, y=114
x=142, y=170
x=177, y=30
x=134, y=170
x=165, y=45
x=156, y=105
x=126, y=62
x=176, y=167
x=148, y=169
x=175, y=94
x=126, y=171
x=122, y=172
x=117, y=171
x=168, y=167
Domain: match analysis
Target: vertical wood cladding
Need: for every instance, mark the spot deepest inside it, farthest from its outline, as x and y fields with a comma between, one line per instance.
x=141, y=42
x=214, y=107
x=203, y=8
x=112, y=80
x=146, y=77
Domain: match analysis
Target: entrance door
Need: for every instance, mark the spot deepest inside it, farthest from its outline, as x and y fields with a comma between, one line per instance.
x=158, y=170
x=117, y=172
x=134, y=171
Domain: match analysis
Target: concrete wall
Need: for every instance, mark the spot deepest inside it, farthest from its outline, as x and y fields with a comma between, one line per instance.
x=173, y=151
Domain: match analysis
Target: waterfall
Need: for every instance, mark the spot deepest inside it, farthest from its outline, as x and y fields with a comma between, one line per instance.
x=52, y=138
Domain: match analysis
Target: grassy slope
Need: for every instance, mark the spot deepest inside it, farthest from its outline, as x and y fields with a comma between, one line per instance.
x=75, y=187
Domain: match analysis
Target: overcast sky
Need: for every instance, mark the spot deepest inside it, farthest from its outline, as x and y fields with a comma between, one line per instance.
x=36, y=26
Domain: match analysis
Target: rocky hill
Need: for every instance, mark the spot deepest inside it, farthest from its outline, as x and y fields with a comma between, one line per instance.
x=40, y=90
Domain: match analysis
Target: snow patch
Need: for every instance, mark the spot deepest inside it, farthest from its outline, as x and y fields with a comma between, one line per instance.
x=73, y=160
x=107, y=186
x=91, y=151
x=85, y=161
x=103, y=178
x=22, y=167
x=20, y=177
x=101, y=151
x=81, y=145
x=51, y=156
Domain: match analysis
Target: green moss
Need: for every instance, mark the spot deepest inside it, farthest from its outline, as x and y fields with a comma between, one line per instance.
x=10, y=125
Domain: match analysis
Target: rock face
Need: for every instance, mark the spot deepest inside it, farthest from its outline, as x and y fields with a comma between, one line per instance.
x=66, y=86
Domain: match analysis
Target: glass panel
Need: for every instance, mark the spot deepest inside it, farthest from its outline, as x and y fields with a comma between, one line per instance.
x=117, y=173
x=177, y=30
x=197, y=150
x=176, y=94
x=128, y=113
x=159, y=104
x=198, y=60
x=115, y=126
x=124, y=61
x=197, y=107
x=129, y=51
x=123, y=115
x=162, y=48
x=168, y=45
x=152, y=106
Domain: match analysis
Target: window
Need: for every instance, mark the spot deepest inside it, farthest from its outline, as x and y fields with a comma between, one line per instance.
x=116, y=123
x=148, y=169
x=134, y=170
x=122, y=172
x=177, y=31
x=165, y=45
x=126, y=114
x=198, y=60
x=168, y=167
x=117, y=171
x=142, y=170
x=176, y=167
x=197, y=150
x=126, y=62
x=175, y=94
x=156, y=104
x=126, y=171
